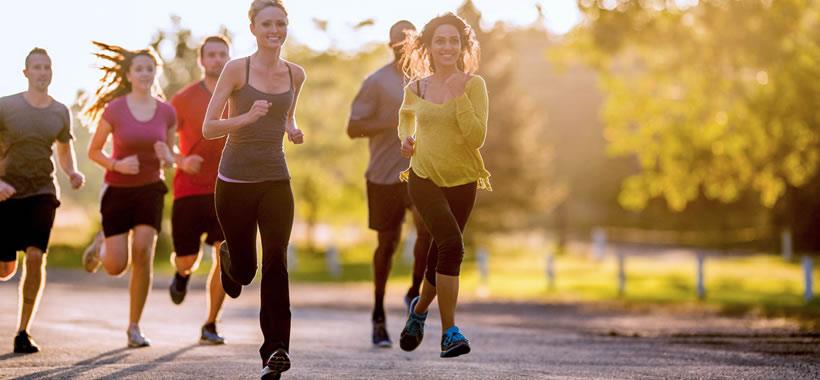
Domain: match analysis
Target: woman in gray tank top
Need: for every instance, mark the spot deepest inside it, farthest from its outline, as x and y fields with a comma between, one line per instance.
x=253, y=185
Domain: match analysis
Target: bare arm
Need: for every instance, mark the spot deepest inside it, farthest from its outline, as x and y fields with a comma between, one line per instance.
x=128, y=165
x=67, y=161
x=231, y=79
x=295, y=135
x=95, y=146
x=365, y=120
x=372, y=126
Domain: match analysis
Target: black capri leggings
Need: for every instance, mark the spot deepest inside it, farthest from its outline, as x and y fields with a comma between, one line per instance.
x=240, y=208
x=445, y=211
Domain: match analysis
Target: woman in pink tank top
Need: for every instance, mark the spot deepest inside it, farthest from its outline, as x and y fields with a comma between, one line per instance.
x=126, y=107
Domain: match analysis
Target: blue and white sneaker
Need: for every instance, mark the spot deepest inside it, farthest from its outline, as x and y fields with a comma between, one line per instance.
x=453, y=343
x=413, y=331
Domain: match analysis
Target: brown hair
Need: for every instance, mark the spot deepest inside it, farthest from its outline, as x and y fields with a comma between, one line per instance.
x=34, y=51
x=114, y=83
x=258, y=5
x=214, y=38
x=417, y=63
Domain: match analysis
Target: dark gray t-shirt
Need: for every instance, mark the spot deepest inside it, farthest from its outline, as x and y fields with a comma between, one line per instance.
x=382, y=93
x=30, y=133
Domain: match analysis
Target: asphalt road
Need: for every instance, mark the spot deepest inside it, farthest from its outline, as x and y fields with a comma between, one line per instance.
x=82, y=320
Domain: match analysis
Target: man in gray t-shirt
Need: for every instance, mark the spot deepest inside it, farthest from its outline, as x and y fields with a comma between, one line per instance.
x=375, y=115
x=30, y=123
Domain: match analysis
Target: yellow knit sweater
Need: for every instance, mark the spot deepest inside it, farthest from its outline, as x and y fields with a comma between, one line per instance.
x=448, y=136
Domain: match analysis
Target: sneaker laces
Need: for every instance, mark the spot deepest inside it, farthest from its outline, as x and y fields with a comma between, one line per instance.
x=453, y=336
x=415, y=324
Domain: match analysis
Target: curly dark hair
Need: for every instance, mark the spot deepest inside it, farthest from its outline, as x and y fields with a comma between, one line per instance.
x=417, y=63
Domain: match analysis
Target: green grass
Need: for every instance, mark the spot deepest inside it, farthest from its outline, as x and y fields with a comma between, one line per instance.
x=763, y=285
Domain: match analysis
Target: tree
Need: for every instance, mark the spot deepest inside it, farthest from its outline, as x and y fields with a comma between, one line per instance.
x=713, y=99
x=515, y=150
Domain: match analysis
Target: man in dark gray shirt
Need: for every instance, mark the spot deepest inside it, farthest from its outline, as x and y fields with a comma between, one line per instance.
x=375, y=115
x=30, y=123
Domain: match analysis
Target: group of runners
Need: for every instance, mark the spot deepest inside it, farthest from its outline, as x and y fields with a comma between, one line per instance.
x=424, y=114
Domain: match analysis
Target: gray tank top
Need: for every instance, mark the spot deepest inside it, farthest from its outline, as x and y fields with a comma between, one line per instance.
x=254, y=153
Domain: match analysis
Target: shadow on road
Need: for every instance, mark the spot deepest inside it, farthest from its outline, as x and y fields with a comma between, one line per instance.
x=150, y=365
x=105, y=358
x=80, y=367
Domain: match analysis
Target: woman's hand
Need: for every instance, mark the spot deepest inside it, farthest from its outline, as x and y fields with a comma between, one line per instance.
x=456, y=83
x=129, y=165
x=295, y=135
x=258, y=109
x=408, y=147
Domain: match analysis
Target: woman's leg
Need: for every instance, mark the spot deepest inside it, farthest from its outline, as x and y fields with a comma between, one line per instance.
x=275, y=224
x=460, y=200
x=236, y=208
x=143, y=243
x=216, y=295
x=114, y=254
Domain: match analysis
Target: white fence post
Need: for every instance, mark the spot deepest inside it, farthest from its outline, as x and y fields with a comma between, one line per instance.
x=598, y=243
x=808, y=293
x=332, y=261
x=483, y=258
x=621, y=274
x=786, y=244
x=483, y=265
x=701, y=286
x=550, y=271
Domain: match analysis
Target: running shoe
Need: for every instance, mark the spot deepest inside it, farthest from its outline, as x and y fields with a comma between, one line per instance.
x=178, y=288
x=380, y=336
x=136, y=339
x=91, y=255
x=24, y=344
x=232, y=288
x=278, y=362
x=453, y=343
x=209, y=336
x=413, y=331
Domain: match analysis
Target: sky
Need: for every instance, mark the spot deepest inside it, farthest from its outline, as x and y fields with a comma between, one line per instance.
x=65, y=28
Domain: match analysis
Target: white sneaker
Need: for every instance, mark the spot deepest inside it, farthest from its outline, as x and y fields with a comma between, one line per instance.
x=136, y=339
x=91, y=256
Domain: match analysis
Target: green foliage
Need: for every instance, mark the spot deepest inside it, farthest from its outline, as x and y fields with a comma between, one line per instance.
x=515, y=150
x=714, y=99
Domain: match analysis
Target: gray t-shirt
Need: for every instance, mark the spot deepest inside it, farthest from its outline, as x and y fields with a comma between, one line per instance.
x=30, y=133
x=382, y=93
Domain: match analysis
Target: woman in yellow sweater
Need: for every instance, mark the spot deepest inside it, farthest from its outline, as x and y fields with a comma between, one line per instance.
x=442, y=125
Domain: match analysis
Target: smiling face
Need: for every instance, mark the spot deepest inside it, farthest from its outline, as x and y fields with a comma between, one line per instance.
x=38, y=71
x=270, y=26
x=142, y=73
x=445, y=46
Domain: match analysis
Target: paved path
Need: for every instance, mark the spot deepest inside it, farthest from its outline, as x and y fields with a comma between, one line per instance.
x=81, y=326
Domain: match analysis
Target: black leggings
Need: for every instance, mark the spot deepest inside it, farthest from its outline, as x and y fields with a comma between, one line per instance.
x=445, y=211
x=240, y=208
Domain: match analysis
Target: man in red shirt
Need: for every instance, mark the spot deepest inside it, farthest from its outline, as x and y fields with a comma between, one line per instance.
x=197, y=162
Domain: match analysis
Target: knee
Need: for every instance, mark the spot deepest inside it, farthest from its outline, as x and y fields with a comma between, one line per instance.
x=185, y=263
x=388, y=242
x=34, y=259
x=450, y=255
x=246, y=276
x=7, y=270
x=115, y=267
